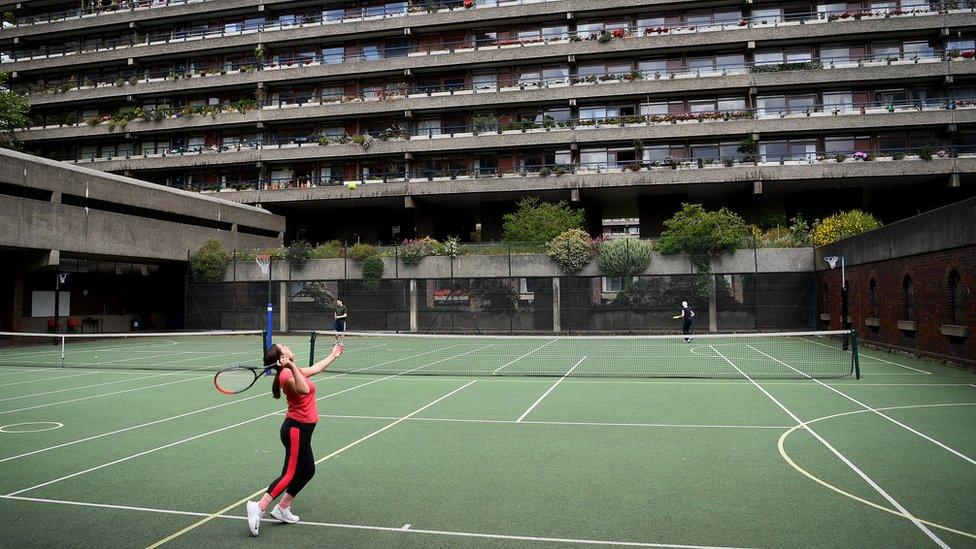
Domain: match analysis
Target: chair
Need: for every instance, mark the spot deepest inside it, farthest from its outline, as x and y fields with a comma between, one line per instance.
x=52, y=325
x=73, y=325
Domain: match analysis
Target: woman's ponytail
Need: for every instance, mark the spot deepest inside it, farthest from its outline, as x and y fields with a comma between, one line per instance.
x=271, y=357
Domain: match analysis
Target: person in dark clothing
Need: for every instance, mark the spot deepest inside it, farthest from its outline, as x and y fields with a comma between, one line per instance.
x=687, y=314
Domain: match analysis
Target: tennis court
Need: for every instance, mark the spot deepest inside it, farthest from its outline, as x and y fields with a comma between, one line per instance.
x=720, y=442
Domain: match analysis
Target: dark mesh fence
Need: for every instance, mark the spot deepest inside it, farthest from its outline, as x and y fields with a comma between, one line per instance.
x=229, y=305
x=741, y=301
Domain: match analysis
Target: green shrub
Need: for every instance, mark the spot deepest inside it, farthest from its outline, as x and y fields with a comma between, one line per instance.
x=842, y=225
x=694, y=230
x=372, y=271
x=275, y=253
x=794, y=235
x=536, y=221
x=624, y=257
x=571, y=250
x=359, y=252
x=329, y=250
x=412, y=252
x=299, y=252
x=209, y=263
x=701, y=234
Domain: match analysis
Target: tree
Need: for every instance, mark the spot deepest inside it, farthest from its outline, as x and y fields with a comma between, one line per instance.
x=13, y=114
x=536, y=221
x=702, y=234
x=209, y=263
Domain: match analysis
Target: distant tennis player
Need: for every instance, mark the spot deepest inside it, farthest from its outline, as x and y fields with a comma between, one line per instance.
x=296, y=433
x=340, y=321
x=687, y=314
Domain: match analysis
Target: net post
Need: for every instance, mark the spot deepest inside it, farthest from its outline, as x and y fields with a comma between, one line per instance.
x=62, y=351
x=311, y=349
x=264, y=342
x=855, y=354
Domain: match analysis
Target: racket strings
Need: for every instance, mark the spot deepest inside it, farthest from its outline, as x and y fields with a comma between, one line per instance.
x=234, y=380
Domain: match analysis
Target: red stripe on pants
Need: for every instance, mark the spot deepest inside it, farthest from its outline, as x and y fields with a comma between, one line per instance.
x=293, y=441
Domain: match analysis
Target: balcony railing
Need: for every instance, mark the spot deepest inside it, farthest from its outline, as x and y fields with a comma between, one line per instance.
x=520, y=84
x=487, y=123
x=420, y=175
x=229, y=30
x=121, y=6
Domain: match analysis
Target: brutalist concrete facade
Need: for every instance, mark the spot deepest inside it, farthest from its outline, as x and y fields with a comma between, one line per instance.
x=445, y=114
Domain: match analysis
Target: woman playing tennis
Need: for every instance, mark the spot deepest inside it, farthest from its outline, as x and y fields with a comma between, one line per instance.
x=296, y=433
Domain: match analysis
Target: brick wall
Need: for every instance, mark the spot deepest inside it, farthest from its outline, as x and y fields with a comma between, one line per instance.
x=929, y=274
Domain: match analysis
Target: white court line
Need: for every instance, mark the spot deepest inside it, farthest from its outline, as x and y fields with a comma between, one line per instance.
x=214, y=431
x=867, y=356
x=568, y=423
x=51, y=378
x=333, y=454
x=100, y=395
x=882, y=414
x=558, y=381
x=371, y=528
x=525, y=355
x=117, y=431
x=82, y=387
x=844, y=459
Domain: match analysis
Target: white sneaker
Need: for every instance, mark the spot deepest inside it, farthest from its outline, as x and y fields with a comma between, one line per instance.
x=254, y=516
x=284, y=514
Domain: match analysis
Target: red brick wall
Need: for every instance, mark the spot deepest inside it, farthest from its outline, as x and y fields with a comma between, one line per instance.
x=930, y=280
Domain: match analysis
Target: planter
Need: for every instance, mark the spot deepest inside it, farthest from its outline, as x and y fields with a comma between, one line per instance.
x=906, y=325
x=952, y=330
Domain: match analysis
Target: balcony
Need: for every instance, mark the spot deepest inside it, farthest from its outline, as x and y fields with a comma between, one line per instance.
x=816, y=26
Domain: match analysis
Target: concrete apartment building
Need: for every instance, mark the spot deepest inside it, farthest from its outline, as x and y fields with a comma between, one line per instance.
x=445, y=113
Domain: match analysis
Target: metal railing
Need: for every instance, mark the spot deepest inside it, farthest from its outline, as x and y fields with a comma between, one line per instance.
x=426, y=174
x=241, y=28
x=515, y=84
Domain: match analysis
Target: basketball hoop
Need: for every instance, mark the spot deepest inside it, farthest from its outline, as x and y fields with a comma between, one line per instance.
x=263, y=261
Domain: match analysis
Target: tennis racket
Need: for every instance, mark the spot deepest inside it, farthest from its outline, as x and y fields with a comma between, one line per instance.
x=237, y=379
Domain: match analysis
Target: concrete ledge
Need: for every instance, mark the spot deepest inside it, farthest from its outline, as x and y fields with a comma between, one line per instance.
x=906, y=325
x=678, y=130
x=718, y=175
x=774, y=260
x=36, y=224
x=667, y=85
x=951, y=330
x=143, y=16
x=945, y=228
x=65, y=179
x=542, y=138
x=872, y=322
x=825, y=317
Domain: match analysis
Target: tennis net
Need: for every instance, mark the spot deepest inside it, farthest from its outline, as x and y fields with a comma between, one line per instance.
x=205, y=351
x=768, y=355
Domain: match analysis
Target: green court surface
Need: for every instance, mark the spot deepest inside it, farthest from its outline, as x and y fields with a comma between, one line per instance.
x=118, y=456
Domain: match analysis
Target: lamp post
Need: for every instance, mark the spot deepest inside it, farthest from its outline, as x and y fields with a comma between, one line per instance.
x=844, y=301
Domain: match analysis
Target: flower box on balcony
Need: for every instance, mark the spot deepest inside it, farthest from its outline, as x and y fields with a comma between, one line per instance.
x=416, y=53
x=512, y=45
x=438, y=52
x=450, y=297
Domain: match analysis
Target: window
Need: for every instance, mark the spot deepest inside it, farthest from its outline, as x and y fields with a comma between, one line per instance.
x=873, y=290
x=835, y=54
x=838, y=102
x=908, y=295
x=771, y=106
x=955, y=298
x=484, y=81
x=613, y=284
x=769, y=57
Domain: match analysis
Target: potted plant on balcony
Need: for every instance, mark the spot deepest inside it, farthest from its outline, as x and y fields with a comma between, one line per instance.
x=8, y=19
x=468, y=4
x=604, y=36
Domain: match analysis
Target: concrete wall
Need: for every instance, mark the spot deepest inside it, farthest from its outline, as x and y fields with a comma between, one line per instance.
x=657, y=177
x=785, y=260
x=473, y=17
x=952, y=226
x=927, y=249
x=29, y=222
x=583, y=136
x=665, y=86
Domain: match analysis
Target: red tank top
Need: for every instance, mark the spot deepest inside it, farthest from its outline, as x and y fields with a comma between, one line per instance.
x=300, y=407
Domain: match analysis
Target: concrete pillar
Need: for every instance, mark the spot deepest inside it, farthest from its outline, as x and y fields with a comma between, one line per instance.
x=556, y=313
x=413, y=305
x=283, y=306
x=712, y=309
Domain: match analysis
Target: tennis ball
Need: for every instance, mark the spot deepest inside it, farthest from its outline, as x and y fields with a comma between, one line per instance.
x=352, y=186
